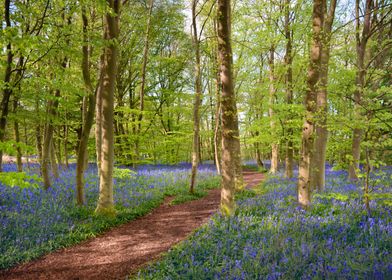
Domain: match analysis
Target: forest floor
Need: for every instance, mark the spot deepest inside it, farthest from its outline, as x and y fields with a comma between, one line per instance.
x=125, y=249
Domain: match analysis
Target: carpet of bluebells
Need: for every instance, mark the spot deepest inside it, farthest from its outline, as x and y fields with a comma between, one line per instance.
x=270, y=237
x=34, y=221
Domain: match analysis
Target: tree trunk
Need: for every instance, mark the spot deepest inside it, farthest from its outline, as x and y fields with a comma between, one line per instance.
x=17, y=138
x=272, y=93
x=196, y=106
x=217, y=132
x=361, y=42
x=26, y=143
x=288, y=60
x=48, y=138
x=54, y=163
x=218, y=111
x=7, y=91
x=259, y=160
x=106, y=89
x=58, y=149
x=38, y=142
x=321, y=131
x=88, y=115
x=66, y=146
x=143, y=84
x=230, y=134
x=304, y=176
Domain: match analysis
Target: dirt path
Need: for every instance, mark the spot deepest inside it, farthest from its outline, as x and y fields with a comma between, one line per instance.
x=126, y=248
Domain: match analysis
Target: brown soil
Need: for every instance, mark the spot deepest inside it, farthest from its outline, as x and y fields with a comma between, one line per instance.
x=125, y=249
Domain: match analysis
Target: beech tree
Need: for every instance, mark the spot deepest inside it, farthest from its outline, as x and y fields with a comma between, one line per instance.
x=230, y=135
x=361, y=39
x=321, y=131
x=198, y=93
x=105, y=108
x=304, y=176
x=88, y=109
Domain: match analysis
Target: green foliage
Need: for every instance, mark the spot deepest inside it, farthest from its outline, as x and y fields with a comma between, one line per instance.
x=123, y=173
x=20, y=179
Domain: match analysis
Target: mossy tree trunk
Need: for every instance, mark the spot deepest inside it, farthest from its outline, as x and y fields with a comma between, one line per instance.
x=230, y=135
x=108, y=72
x=304, y=176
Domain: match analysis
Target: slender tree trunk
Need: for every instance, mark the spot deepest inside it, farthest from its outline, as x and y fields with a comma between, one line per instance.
x=88, y=115
x=38, y=142
x=272, y=96
x=26, y=143
x=217, y=131
x=259, y=160
x=288, y=60
x=98, y=116
x=361, y=42
x=321, y=131
x=54, y=163
x=17, y=138
x=143, y=75
x=218, y=111
x=7, y=91
x=304, y=177
x=106, y=89
x=196, y=105
x=58, y=149
x=48, y=138
x=230, y=134
x=66, y=146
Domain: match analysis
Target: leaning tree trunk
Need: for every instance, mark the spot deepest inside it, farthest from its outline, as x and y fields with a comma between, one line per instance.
x=321, y=131
x=106, y=89
x=196, y=105
x=230, y=133
x=304, y=176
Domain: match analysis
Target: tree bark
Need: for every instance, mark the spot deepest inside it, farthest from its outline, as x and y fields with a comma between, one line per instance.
x=38, y=143
x=272, y=96
x=230, y=134
x=7, y=91
x=217, y=131
x=53, y=161
x=48, y=138
x=143, y=84
x=361, y=43
x=88, y=113
x=196, y=105
x=38, y=135
x=218, y=111
x=288, y=60
x=106, y=89
x=304, y=176
x=66, y=146
x=17, y=138
x=321, y=131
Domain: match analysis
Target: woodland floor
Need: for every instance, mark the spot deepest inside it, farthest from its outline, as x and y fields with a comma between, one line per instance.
x=125, y=249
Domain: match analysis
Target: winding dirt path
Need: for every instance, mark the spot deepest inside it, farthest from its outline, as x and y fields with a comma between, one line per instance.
x=123, y=250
